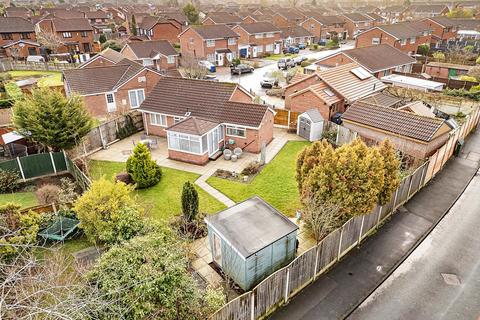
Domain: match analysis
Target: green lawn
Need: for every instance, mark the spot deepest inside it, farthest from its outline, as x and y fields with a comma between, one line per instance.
x=276, y=57
x=25, y=199
x=275, y=183
x=48, y=78
x=164, y=198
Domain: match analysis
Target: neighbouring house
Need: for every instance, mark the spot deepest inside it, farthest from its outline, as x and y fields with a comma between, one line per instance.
x=258, y=38
x=157, y=28
x=251, y=240
x=468, y=29
x=251, y=18
x=284, y=18
x=201, y=118
x=356, y=23
x=377, y=19
x=158, y=54
x=112, y=88
x=18, y=12
x=412, y=134
x=107, y=57
x=323, y=27
x=446, y=70
x=75, y=35
x=296, y=35
x=225, y=18
x=394, y=14
x=331, y=90
x=17, y=38
x=380, y=60
x=443, y=30
x=418, y=11
x=216, y=43
x=405, y=36
x=99, y=20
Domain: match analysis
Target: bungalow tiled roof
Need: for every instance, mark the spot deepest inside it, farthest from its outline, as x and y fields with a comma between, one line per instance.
x=326, y=20
x=194, y=126
x=150, y=48
x=202, y=99
x=215, y=31
x=395, y=121
x=325, y=93
x=15, y=24
x=443, y=21
x=428, y=8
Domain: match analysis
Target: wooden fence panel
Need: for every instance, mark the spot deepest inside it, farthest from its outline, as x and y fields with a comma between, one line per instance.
x=388, y=207
x=431, y=167
x=402, y=194
x=370, y=221
x=350, y=234
x=302, y=270
x=270, y=292
x=237, y=309
x=286, y=118
x=328, y=250
x=438, y=163
x=416, y=180
x=344, y=135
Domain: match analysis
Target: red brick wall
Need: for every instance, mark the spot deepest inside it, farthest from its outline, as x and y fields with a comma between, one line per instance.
x=314, y=27
x=18, y=36
x=254, y=138
x=208, y=21
x=240, y=96
x=195, y=49
x=437, y=71
x=365, y=40
x=23, y=52
x=99, y=62
x=308, y=100
x=249, y=19
x=280, y=21
x=166, y=31
x=298, y=87
x=337, y=59
x=156, y=130
x=188, y=157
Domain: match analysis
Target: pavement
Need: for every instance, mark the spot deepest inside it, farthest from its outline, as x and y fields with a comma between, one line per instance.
x=338, y=292
x=441, y=278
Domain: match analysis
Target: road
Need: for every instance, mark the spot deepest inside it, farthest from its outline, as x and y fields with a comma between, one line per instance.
x=417, y=289
x=251, y=81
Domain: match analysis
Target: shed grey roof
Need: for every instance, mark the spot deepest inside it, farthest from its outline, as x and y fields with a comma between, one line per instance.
x=314, y=115
x=251, y=225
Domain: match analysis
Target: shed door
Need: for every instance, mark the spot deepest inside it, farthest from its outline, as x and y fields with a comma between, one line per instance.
x=217, y=249
x=304, y=128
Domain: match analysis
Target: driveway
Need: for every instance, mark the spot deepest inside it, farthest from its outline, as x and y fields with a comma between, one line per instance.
x=251, y=81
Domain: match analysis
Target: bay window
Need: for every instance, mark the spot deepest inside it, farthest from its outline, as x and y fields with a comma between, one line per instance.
x=236, y=131
x=136, y=97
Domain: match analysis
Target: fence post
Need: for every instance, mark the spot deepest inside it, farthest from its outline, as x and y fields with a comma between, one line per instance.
x=21, y=169
x=252, y=306
x=410, y=186
x=316, y=263
x=424, y=173
x=101, y=136
x=286, y=285
x=65, y=159
x=395, y=200
x=379, y=215
x=340, y=244
x=53, y=163
x=361, y=229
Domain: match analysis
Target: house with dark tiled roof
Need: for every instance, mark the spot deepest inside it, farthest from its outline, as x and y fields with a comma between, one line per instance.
x=323, y=27
x=413, y=134
x=225, y=18
x=76, y=34
x=356, y=23
x=17, y=38
x=443, y=29
x=285, y=18
x=159, y=28
x=18, y=12
x=417, y=11
x=216, y=43
x=107, y=57
x=202, y=118
x=111, y=89
x=258, y=38
x=157, y=54
x=296, y=35
x=99, y=20
x=394, y=14
x=380, y=60
x=405, y=36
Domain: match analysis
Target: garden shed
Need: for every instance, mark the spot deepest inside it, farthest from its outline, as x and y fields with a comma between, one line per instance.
x=310, y=125
x=251, y=240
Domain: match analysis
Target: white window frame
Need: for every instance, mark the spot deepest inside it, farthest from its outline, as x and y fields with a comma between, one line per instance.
x=270, y=35
x=177, y=119
x=375, y=41
x=184, y=136
x=158, y=119
x=403, y=42
x=67, y=34
x=260, y=48
x=137, y=97
x=258, y=35
x=210, y=43
x=413, y=40
x=231, y=41
x=269, y=48
x=237, y=128
x=211, y=58
x=170, y=59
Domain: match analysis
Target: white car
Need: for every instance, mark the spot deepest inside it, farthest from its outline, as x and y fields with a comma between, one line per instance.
x=298, y=60
x=207, y=65
x=35, y=59
x=285, y=63
x=268, y=81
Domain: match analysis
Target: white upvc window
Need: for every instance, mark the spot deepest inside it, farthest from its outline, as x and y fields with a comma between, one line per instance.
x=177, y=119
x=211, y=57
x=136, y=97
x=270, y=35
x=184, y=142
x=158, y=119
x=171, y=59
x=147, y=62
x=260, y=48
x=67, y=34
x=210, y=43
x=375, y=41
x=412, y=40
x=258, y=35
x=236, y=131
x=403, y=42
x=269, y=48
x=232, y=41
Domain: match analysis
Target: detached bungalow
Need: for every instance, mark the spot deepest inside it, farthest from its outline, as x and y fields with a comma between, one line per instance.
x=111, y=89
x=158, y=54
x=413, y=134
x=201, y=118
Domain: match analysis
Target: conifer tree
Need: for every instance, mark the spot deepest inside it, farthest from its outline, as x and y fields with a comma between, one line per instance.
x=133, y=27
x=391, y=175
x=144, y=171
x=189, y=201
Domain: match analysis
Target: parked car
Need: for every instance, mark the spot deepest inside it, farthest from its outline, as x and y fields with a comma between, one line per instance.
x=35, y=59
x=210, y=77
x=302, y=46
x=207, y=65
x=241, y=68
x=268, y=81
x=285, y=63
x=298, y=60
x=291, y=49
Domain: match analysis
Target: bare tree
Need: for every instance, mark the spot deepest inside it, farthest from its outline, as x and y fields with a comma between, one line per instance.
x=49, y=40
x=14, y=52
x=321, y=217
x=191, y=69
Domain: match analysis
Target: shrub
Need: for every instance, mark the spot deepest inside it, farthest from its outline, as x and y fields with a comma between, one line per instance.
x=305, y=64
x=102, y=39
x=315, y=46
x=252, y=168
x=236, y=61
x=214, y=300
x=189, y=201
x=144, y=171
x=9, y=180
x=468, y=49
x=126, y=129
x=108, y=213
x=423, y=49
x=475, y=89
x=13, y=91
x=478, y=60
x=67, y=194
x=391, y=166
x=439, y=55
x=468, y=78
x=47, y=194
x=124, y=177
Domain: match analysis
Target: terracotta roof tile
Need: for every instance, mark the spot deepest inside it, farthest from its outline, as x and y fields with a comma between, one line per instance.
x=194, y=126
x=15, y=24
x=75, y=24
x=215, y=31
x=259, y=27
x=149, y=48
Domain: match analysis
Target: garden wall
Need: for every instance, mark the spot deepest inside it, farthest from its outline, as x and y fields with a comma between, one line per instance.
x=282, y=285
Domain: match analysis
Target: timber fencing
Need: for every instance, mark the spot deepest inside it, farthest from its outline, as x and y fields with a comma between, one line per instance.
x=9, y=65
x=281, y=286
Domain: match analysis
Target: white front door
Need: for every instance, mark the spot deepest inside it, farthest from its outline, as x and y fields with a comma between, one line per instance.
x=254, y=52
x=111, y=105
x=277, y=48
x=213, y=140
x=220, y=59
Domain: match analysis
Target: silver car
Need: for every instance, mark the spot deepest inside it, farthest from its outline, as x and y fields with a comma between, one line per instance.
x=268, y=81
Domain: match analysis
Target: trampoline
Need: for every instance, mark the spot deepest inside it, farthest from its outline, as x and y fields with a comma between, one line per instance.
x=60, y=229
